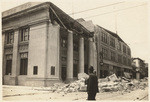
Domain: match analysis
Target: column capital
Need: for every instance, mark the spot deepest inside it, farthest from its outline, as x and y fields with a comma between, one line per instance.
x=90, y=39
x=70, y=31
x=81, y=37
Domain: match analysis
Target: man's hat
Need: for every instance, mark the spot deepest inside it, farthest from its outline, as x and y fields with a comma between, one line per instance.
x=91, y=69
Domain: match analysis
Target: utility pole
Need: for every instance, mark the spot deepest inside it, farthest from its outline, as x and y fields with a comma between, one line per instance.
x=116, y=23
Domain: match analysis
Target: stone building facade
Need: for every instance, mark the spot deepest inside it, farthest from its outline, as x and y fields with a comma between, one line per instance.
x=43, y=45
x=116, y=54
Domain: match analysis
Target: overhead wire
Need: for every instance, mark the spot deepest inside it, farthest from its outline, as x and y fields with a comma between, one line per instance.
x=95, y=8
x=115, y=11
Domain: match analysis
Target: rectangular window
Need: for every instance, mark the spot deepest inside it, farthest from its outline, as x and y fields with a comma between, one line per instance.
x=23, y=66
x=119, y=46
x=104, y=37
x=23, y=63
x=129, y=53
x=113, y=56
x=124, y=61
x=8, y=67
x=35, y=70
x=105, y=53
x=24, y=34
x=52, y=70
x=119, y=58
x=124, y=48
x=10, y=37
x=112, y=42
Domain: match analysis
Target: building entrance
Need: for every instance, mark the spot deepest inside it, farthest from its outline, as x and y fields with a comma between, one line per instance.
x=63, y=73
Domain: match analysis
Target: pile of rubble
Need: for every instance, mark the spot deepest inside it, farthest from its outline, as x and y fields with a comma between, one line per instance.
x=108, y=84
x=112, y=84
x=75, y=86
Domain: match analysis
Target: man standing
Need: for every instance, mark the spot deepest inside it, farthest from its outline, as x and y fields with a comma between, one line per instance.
x=92, y=84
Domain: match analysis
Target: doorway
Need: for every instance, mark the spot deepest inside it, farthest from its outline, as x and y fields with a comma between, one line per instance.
x=63, y=73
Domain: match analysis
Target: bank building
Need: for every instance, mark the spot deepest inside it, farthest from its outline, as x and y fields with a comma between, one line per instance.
x=43, y=45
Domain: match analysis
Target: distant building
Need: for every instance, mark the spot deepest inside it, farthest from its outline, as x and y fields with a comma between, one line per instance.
x=113, y=54
x=141, y=68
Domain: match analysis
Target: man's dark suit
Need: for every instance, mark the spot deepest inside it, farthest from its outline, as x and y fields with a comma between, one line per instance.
x=92, y=86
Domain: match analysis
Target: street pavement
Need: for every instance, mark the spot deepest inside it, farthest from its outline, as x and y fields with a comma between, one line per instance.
x=24, y=93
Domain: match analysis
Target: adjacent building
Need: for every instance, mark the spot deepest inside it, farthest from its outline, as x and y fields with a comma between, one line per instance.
x=116, y=54
x=113, y=54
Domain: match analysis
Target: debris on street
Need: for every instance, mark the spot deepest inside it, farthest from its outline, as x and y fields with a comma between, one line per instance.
x=108, y=84
x=78, y=85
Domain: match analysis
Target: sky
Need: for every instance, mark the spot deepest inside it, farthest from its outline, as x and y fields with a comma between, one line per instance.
x=128, y=17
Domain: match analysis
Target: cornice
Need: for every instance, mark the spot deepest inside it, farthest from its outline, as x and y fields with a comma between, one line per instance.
x=26, y=24
x=26, y=11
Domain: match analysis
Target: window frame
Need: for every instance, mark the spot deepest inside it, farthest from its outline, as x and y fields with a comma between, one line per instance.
x=105, y=53
x=24, y=34
x=113, y=56
x=124, y=48
x=104, y=37
x=53, y=70
x=23, y=63
x=9, y=37
x=112, y=42
x=8, y=67
x=35, y=70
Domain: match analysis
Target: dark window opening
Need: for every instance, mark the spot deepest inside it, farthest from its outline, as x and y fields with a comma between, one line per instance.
x=124, y=61
x=52, y=70
x=10, y=37
x=119, y=47
x=23, y=66
x=104, y=37
x=35, y=70
x=24, y=34
x=63, y=73
x=129, y=53
x=124, y=48
x=119, y=58
x=105, y=53
x=113, y=56
x=112, y=42
x=75, y=71
x=8, y=67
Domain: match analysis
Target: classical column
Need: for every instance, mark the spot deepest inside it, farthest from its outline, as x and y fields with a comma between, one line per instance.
x=81, y=55
x=91, y=55
x=70, y=55
x=3, y=54
x=15, y=67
